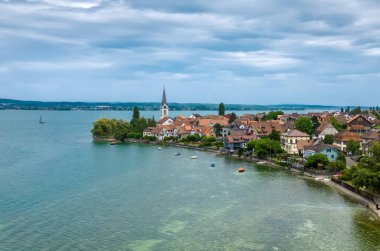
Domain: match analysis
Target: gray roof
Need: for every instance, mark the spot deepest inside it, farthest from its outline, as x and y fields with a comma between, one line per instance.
x=163, y=98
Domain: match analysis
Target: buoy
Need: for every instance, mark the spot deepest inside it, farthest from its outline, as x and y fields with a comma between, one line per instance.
x=241, y=170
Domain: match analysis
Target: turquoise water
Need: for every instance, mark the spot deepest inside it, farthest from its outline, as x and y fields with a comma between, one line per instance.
x=61, y=191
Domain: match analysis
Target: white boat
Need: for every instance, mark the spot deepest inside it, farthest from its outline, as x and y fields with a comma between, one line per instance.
x=159, y=148
x=261, y=162
x=193, y=157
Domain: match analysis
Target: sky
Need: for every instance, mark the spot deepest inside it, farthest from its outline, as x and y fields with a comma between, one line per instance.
x=243, y=51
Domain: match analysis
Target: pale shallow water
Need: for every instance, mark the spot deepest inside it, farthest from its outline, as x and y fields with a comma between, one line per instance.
x=60, y=191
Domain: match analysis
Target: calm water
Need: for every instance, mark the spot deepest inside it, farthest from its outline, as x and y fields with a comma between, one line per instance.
x=60, y=191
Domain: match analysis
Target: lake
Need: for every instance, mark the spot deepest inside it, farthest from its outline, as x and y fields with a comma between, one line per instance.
x=61, y=191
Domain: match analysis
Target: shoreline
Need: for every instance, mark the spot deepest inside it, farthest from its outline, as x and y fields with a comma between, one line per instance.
x=321, y=178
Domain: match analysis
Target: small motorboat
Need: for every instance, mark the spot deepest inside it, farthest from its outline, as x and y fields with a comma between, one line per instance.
x=177, y=154
x=193, y=157
x=159, y=148
x=212, y=164
x=241, y=170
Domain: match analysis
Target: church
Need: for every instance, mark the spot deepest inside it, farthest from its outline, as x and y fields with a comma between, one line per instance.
x=164, y=106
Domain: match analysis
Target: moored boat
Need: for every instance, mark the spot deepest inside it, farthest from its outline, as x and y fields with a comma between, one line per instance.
x=193, y=157
x=241, y=170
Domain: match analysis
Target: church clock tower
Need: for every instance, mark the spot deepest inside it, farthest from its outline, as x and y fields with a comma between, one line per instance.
x=164, y=106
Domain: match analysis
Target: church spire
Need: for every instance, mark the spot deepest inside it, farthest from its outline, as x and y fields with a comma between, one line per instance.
x=164, y=106
x=163, y=98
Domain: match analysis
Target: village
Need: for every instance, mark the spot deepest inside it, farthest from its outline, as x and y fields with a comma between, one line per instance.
x=302, y=135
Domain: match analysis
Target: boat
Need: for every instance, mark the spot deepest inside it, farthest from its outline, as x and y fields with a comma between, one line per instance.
x=41, y=122
x=212, y=164
x=159, y=148
x=193, y=157
x=261, y=162
x=241, y=170
x=114, y=143
x=177, y=154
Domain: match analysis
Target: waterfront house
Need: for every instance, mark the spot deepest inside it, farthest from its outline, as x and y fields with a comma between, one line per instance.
x=233, y=143
x=328, y=150
x=290, y=139
x=342, y=138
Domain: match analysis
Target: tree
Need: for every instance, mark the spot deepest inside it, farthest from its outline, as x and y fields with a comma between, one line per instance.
x=336, y=166
x=304, y=124
x=274, y=135
x=375, y=152
x=317, y=159
x=353, y=147
x=232, y=118
x=336, y=124
x=136, y=113
x=240, y=152
x=356, y=111
x=221, y=109
x=315, y=122
x=217, y=129
x=341, y=157
x=264, y=147
x=366, y=174
x=111, y=128
x=272, y=115
x=329, y=139
x=138, y=125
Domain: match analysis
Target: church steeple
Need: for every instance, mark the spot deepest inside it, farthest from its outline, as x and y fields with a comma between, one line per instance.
x=164, y=106
x=163, y=98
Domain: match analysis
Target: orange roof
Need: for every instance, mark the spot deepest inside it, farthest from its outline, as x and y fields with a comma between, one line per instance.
x=347, y=136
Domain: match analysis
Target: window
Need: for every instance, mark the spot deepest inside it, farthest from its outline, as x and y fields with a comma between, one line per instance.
x=333, y=156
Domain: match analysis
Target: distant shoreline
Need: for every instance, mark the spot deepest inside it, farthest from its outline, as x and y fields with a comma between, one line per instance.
x=11, y=104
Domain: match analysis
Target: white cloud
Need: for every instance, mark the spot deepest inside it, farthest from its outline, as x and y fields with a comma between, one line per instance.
x=59, y=65
x=260, y=59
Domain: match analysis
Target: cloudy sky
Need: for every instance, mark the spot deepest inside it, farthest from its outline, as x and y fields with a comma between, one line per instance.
x=241, y=51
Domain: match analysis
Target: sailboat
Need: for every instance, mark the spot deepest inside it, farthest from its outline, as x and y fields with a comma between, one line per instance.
x=41, y=122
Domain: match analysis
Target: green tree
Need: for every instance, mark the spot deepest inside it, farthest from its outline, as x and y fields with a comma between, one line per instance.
x=356, y=111
x=329, y=139
x=274, y=135
x=138, y=125
x=136, y=113
x=272, y=115
x=353, y=147
x=336, y=166
x=240, y=152
x=221, y=109
x=217, y=129
x=264, y=147
x=341, y=157
x=232, y=118
x=315, y=122
x=317, y=159
x=375, y=152
x=336, y=124
x=366, y=174
x=304, y=124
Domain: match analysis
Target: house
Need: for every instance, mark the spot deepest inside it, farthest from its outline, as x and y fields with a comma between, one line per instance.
x=328, y=150
x=264, y=128
x=165, y=121
x=325, y=129
x=149, y=131
x=342, y=138
x=233, y=143
x=290, y=139
x=359, y=124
